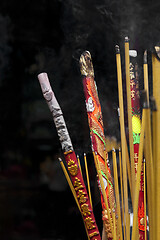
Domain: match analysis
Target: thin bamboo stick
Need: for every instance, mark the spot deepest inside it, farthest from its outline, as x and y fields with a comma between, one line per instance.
x=72, y=189
x=117, y=192
x=121, y=182
x=88, y=182
x=69, y=182
x=129, y=170
x=156, y=95
x=114, y=224
x=149, y=169
x=145, y=71
x=79, y=164
x=127, y=64
x=120, y=93
x=108, y=183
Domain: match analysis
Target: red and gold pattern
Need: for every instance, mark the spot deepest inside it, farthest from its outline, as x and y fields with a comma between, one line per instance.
x=136, y=127
x=82, y=195
x=97, y=132
x=70, y=157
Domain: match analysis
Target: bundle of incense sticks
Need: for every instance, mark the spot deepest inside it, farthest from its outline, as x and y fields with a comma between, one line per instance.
x=139, y=162
x=75, y=180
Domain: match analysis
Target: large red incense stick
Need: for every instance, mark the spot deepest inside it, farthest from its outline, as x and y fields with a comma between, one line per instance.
x=71, y=160
x=136, y=127
x=97, y=134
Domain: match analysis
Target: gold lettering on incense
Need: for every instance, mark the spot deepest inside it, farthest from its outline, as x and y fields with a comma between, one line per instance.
x=85, y=209
x=132, y=83
x=132, y=94
x=82, y=198
x=89, y=223
x=77, y=184
x=93, y=234
x=72, y=168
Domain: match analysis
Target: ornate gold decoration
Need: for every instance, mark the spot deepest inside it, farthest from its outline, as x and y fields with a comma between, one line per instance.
x=89, y=223
x=86, y=66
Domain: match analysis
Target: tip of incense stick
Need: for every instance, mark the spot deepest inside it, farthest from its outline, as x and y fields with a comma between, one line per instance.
x=157, y=50
x=77, y=156
x=95, y=153
x=145, y=57
x=119, y=149
x=86, y=66
x=153, y=104
x=113, y=210
x=60, y=159
x=113, y=149
x=117, y=49
x=126, y=39
x=84, y=154
x=144, y=160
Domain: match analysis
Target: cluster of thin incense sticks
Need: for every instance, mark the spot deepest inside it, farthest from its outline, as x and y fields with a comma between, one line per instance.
x=146, y=171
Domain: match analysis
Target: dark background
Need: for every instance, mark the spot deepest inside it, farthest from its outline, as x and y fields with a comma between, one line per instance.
x=50, y=35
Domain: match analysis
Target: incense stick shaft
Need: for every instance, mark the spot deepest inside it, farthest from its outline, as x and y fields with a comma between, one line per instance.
x=129, y=107
x=88, y=183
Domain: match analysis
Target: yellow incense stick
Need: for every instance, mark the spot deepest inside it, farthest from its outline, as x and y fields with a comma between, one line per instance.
x=149, y=169
x=120, y=94
x=128, y=170
x=109, y=194
x=145, y=71
x=127, y=65
x=69, y=182
x=121, y=182
x=79, y=164
x=156, y=95
x=114, y=224
x=88, y=183
x=140, y=158
x=117, y=192
x=128, y=233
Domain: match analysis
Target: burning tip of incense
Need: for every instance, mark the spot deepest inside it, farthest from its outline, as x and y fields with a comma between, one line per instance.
x=144, y=160
x=119, y=149
x=126, y=39
x=113, y=149
x=145, y=57
x=84, y=154
x=60, y=159
x=86, y=66
x=77, y=156
x=117, y=49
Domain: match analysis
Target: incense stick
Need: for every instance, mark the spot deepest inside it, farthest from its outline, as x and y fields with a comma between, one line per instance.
x=79, y=164
x=103, y=191
x=121, y=182
x=120, y=93
x=69, y=182
x=88, y=182
x=117, y=192
x=127, y=63
x=140, y=158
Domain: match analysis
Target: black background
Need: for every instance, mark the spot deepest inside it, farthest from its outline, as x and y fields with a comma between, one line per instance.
x=50, y=35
